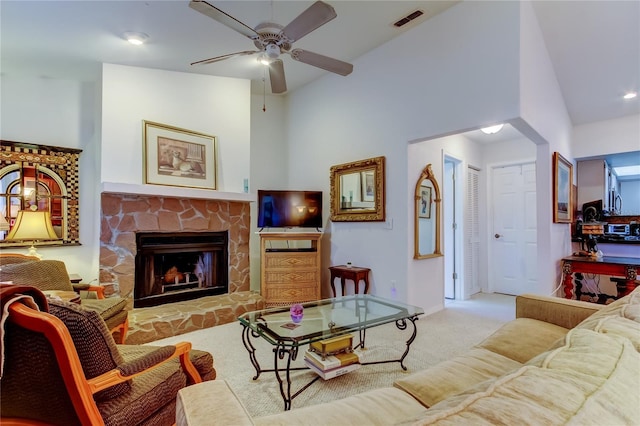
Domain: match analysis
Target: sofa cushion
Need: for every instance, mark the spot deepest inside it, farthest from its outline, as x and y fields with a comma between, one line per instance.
x=383, y=406
x=453, y=376
x=523, y=338
x=106, y=308
x=621, y=318
x=592, y=379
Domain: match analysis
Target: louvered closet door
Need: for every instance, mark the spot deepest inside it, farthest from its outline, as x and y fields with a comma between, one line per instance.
x=472, y=232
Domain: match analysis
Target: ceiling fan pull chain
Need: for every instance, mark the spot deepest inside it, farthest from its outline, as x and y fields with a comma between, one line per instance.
x=264, y=90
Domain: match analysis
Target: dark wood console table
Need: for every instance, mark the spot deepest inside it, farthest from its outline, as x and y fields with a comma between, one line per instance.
x=354, y=273
x=627, y=267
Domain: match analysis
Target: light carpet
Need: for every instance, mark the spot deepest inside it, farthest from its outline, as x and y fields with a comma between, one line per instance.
x=440, y=336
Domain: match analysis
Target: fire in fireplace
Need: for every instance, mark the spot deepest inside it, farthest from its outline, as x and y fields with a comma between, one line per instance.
x=172, y=267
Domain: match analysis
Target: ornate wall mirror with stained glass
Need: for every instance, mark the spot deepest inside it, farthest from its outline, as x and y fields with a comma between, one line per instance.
x=39, y=202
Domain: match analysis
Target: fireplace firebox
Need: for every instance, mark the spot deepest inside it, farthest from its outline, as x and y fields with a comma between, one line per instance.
x=173, y=267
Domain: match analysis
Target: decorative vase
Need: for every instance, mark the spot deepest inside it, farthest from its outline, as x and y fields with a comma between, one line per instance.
x=297, y=311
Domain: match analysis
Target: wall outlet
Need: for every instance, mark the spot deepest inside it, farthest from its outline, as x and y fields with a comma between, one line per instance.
x=388, y=223
x=394, y=292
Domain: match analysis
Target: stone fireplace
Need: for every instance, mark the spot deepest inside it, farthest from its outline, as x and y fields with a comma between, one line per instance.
x=125, y=216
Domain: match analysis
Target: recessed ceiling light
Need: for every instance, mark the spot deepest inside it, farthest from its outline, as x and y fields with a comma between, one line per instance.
x=492, y=129
x=135, y=38
x=630, y=95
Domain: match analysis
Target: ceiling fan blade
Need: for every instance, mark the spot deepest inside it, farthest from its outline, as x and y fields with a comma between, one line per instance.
x=213, y=12
x=223, y=57
x=316, y=15
x=321, y=61
x=276, y=75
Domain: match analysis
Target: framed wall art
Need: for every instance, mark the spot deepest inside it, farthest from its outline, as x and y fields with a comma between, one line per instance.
x=562, y=185
x=178, y=157
x=424, y=208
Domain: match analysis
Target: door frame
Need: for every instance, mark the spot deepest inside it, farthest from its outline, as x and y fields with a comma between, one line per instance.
x=491, y=210
x=453, y=241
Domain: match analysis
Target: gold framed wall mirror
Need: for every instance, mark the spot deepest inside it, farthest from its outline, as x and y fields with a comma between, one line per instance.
x=357, y=191
x=427, y=216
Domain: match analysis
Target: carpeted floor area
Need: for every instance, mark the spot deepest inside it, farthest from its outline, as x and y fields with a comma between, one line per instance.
x=441, y=336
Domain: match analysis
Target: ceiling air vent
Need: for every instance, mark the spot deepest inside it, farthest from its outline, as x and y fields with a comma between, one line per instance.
x=410, y=17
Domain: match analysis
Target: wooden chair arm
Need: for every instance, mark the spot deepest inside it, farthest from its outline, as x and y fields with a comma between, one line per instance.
x=98, y=289
x=115, y=376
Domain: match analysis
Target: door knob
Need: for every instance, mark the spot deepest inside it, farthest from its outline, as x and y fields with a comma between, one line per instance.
x=497, y=235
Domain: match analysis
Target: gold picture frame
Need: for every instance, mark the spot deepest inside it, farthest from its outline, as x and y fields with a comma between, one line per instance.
x=357, y=191
x=424, y=208
x=562, y=186
x=178, y=157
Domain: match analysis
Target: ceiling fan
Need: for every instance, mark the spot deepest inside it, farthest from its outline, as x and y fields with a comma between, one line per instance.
x=272, y=40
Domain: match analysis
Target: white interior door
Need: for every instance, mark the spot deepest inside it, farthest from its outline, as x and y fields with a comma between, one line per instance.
x=514, y=258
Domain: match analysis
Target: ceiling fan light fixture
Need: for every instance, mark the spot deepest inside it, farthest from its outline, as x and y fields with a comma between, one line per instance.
x=272, y=51
x=135, y=38
x=492, y=129
x=264, y=60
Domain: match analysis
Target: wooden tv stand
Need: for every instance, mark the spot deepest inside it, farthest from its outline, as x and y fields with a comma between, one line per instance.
x=290, y=265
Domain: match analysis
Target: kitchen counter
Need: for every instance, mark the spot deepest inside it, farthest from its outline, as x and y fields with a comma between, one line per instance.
x=611, y=239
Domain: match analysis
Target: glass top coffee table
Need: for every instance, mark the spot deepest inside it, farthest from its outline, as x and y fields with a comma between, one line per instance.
x=323, y=319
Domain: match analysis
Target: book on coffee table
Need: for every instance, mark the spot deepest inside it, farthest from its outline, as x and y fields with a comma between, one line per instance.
x=332, y=361
x=333, y=345
x=335, y=372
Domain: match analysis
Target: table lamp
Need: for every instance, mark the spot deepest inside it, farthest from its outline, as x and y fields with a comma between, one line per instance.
x=32, y=225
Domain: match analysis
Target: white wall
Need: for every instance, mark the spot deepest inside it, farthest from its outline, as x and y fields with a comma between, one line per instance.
x=268, y=163
x=545, y=120
x=215, y=106
x=105, y=121
x=60, y=113
x=629, y=190
x=606, y=137
x=455, y=72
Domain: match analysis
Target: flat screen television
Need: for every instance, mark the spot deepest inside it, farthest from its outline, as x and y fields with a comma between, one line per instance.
x=287, y=209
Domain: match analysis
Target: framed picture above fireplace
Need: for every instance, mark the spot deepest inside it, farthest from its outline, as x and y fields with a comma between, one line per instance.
x=178, y=157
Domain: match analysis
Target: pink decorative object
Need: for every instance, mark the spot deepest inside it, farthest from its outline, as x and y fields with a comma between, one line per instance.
x=297, y=311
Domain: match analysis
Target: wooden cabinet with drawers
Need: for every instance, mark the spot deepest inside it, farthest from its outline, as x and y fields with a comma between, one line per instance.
x=290, y=267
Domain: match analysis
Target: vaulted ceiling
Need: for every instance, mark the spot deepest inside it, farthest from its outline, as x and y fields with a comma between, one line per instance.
x=594, y=45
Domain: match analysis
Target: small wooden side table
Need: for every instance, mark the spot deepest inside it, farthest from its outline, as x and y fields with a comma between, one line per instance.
x=353, y=273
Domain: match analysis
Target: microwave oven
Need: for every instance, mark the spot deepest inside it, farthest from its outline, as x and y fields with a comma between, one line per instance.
x=618, y=229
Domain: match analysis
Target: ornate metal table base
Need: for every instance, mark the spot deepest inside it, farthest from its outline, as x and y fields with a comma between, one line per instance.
x=288, y=353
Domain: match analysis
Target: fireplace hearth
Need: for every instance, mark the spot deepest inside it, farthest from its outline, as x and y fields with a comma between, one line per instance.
x=173, y=267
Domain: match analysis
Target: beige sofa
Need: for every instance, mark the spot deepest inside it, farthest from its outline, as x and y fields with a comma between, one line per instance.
x=559, y=362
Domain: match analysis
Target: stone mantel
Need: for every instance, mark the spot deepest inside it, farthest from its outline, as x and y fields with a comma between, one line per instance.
x=175, y=192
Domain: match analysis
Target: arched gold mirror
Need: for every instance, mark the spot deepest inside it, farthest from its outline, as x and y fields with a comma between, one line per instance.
x=427, y=216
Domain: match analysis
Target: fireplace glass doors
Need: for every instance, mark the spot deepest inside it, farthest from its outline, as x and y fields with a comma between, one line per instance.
x=172, y=267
